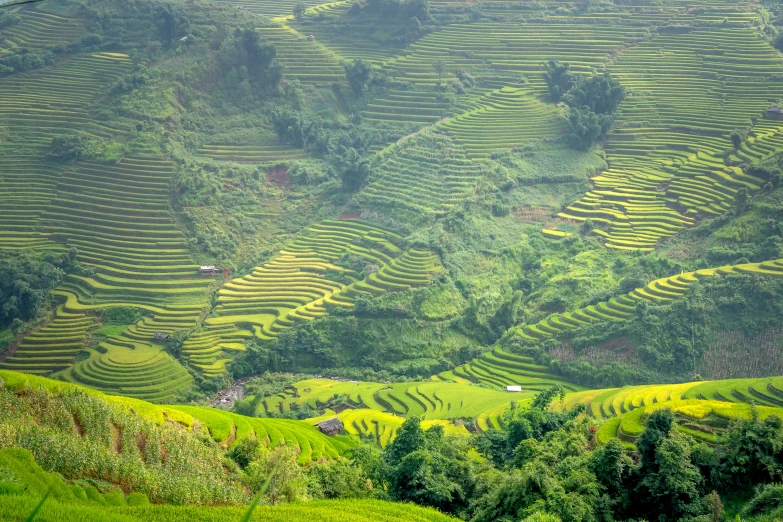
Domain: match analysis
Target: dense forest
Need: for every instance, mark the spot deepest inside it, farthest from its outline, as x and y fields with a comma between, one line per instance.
x=391, y=260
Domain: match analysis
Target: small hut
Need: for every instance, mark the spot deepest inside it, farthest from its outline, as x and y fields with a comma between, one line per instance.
x=513, y=388
x=330, y=427
x=209, y=270
x=310, y=38
x=774, y=113
x=160, y=336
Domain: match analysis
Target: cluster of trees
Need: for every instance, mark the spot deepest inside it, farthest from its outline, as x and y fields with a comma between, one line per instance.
x=410, y=19
x=247, y=64
x=26, y=282
x=346, y=148
x=592, y=102
x=544, y=465
x=172, y=23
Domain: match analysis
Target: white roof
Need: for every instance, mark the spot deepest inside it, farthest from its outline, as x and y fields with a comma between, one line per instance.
x=514, y=388
x=208, y=267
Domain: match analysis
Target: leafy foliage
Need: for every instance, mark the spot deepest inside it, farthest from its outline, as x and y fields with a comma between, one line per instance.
x=559, y=79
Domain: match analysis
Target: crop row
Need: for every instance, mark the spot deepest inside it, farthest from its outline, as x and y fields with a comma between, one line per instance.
x=624, y=307
x=517, y=48
x=430, y=399
x=426, y=172
x=40, y=29
x=258, y=153
x=688, y=92
x=304, y=60
x=302, y=282
x=124, y=366
x=117, y=217
x=704, y=408
x=497, y=123
x=33, y=109
x=381, y=427
x=53, y=347
x=228, y=429
x=501, y=368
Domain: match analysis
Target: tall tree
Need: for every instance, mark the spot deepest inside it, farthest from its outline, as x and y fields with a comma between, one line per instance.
x=559, y=79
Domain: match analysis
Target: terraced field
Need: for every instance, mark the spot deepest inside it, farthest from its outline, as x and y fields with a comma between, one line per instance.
x=430, y=400
x=510, y=48
x=763, y=141
x=426, y=172
x=504, y=119
x=39, y=29
x=38, y=105
x=33, y=109
x=497, y=114
x=282, y=9
x=703, y=408
x=257, y=153
x=380, y=427
x=665, y=164
x=304, y=60
x=117, y=217
x=406, y=107
x=618, y=309
x=303, y=281
x=228, y=429
x=53, y=347
x=501, y=368
x=348, y=46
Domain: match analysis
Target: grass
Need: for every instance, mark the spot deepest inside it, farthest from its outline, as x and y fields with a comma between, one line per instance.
x=325, y=510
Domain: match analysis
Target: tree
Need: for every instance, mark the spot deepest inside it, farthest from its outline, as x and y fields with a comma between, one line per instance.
x=601, y=93
x=587, y=227
x=440, y=69
x=753, y=452
x=26, y=282
x=559, y=79
x=540, y=516
x=741, y=200
x=245, y=452
x=671, y=483
x=288, y=484
x=737, y=137
x=657, y=428
x=68, y=147
x=172, y=22
x=258, y=56
x=585, y=127
x=421, y=477
x=354, y=168
x=429, y=468
x=410, y=438
x=338, y=479
x=175, y=342
x=358, y=75
x=299, y=10
x=612, y=466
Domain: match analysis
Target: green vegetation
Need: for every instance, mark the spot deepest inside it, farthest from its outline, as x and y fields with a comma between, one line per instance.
x=520, y=261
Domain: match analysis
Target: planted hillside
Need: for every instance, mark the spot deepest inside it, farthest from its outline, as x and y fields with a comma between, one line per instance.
x=391, y=260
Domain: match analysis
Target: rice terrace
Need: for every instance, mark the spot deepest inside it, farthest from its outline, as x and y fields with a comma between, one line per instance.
x=391, y=260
